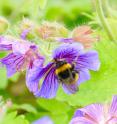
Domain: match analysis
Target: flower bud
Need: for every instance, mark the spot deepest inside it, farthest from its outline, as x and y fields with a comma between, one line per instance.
x=26, y=24
x=27, y=28
x=50, y=30
x=84, y=35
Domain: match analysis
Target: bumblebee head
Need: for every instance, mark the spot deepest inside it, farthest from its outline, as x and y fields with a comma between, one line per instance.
x=60, y=63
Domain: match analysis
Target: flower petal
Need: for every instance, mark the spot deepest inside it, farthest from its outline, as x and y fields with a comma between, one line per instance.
x=89, y=60
x=21, y=47
x=94, y=112
x=5, y=47
x=24, y=33
x=83, y=76
x=5, y=44
x=39, y=61
x=81, y=120
x=49, y=86
x=70, y=88
x=43, y=120
x=30, y=83
x=78, y=113
x=113, y=121
x=13, y=62
x=69, y=52
x=34, y=75
x=113, y=108
x=10, y=71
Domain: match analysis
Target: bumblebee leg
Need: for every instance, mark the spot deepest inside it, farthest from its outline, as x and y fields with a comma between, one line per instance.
x=73, y=66
x=59, y=80
x=70, y=74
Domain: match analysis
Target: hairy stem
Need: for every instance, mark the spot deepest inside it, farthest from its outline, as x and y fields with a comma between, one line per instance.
x=103, y=20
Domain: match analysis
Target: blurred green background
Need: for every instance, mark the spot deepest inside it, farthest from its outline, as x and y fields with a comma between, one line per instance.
x=25, y=107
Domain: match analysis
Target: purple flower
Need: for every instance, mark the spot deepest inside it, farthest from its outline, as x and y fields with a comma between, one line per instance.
x=97, y=114
x=72, y=56
x=23, y=55
x=43, y=120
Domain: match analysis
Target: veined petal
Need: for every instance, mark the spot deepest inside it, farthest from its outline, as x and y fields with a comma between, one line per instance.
x=42, y=72
x=43, y=120
x=84, y=75
x=113, y=107
x=10, y=71
x=5, y=47
x=94, y=112
x=21, y=46
x=49, y=85
x=69, y=52
x=13, y=62
x=39, y=61
x=34, y=77
x=6, y=40
x=97, y=114
x=112, y=121
x=30, y=82
x=81, y=120
x=32, y=73
x=89, y=60
x=70, y=88
x=5, y=44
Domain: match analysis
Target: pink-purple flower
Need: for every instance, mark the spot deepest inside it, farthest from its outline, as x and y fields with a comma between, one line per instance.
x=97, y=114
x=23, y=55
x=71, y=54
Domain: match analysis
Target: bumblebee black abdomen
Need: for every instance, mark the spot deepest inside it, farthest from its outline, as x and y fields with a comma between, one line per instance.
x=64, y=74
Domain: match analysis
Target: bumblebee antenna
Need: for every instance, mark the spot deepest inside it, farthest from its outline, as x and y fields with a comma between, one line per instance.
x=54, y=60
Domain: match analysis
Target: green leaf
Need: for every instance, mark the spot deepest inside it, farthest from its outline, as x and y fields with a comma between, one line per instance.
x=3, y=78
x=26, y=107
x=102, y=85
x=11, y=118
x=20, y=120
x=2, y=54
x=53, y=105
x=60, y=118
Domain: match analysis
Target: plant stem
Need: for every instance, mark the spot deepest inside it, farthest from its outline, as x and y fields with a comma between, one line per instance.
x=103, y=20
x=106, y=6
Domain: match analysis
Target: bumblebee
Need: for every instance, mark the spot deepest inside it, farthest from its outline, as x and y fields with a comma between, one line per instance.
x=66, y=72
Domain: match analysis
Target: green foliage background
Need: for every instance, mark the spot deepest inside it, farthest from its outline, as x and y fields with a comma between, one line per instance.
x=103, y=84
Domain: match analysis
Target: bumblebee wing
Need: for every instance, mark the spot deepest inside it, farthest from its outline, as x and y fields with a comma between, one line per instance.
x=70, y=88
